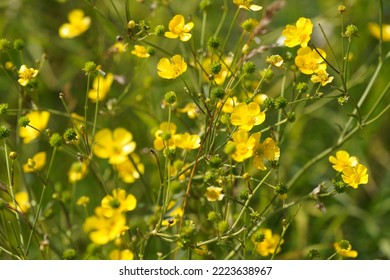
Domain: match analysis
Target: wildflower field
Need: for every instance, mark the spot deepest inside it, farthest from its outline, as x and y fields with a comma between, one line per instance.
x=166, y=129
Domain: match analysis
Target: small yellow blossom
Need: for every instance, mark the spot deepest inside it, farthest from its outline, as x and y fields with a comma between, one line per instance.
x=78, y=170
x=118, y=201
x=275, y=60
x=164, y=136
x=171, y=68
x=38, y=123
x=343, y=160
x=26, y=75
x=140, y=51
x=345, y=252
x=243, y=144
x=298, y=34
x=187, y=141
x=247, y=5
x=229, y=105
x=355, y=176
x=127, y=171
x=178, y=28
x=22, y=202
x=118, y=47
x=100, y=87
x=77, y=25
x=309, y=61
x=321, y=77
x=247, y=115
x=173, y=215
x=121, y=255
x=37, y=162
x=375, y=31
x=268, y=150
x=191, y=109
x=214, y=193
x=221, y=76
x=115, y=145
x=83, y=201
x=269, y=243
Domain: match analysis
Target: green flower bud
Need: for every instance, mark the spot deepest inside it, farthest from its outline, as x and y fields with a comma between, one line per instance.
x=18, y=44
x=351, y=31
x=55, y=140
x=3, y=108
x=215, y=161
x=170, y=97
x=213, y=43
x=301, y=87
x=70, y=135
x=131, y=24
x=259, y=237
x=4, y=132
x=313, y=254
x=13, y=155
x=269, y=103
x=215, y=67
x=23, y=121
x=4, y=44
x=281, y=189
x=218, y=92
x=249, y=67
x=340, y=186
x=222, y=226
x=69, y=254
x=204, y=4
x=212, y=216
x=280, y=102
x=90, y=67
x=159, y=30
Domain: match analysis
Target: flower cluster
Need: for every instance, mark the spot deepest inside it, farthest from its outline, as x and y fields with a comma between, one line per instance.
x=166, y=137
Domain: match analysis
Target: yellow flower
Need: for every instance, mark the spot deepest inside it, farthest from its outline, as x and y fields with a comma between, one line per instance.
x=178, y=28
x=229, y=105
x=118, y=47
x=191, y=109
x=246, y=4
x=343, y=160
x=22, y=202
x=309, y=61
x=344, y=249
x=78, y=170
x=275, y=60
x=26, y=75
x=164, y=136
x=121, y=255
x=38, y=122
x=214, y=193
x=140, y=51
x=77, y=25
x=355, y=175
x=127, y=171
x=83, y=201
x=37, y=162
x=102, y=228
x=321, y=77
x=119, y=201
x=268, y=150
x=115, y=145
x=243, y=145
x=247, y=115
x=171, y=68
x=220, y=77
x=187, y=141
x=298, y=34
x=375, y=31
x=173, y=215
x=267, y=243
x=100, y=87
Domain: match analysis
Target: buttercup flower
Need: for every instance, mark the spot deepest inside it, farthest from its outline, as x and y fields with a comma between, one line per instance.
x=220, y=77
x=267, y=244
x=127, y=171
x=164, y=136
x=78, y=170
x=321, y=77
x=37, y=162
x=214, y=193
x=26, y=75
x=343, y=160
x=173, y=215
x=77, y=25
x=355, y=176
x=140, y=51
x=268, y=150
x=247, y=115
x=171, y=68
x=115, y=145
x=298, y=34
x=119, y=201
x=309, y=61
x=229, y=105
x=344, y=249
x=247, y=5
x=121, y=255
x=187, y=141
x=178, y=28
x=83, y=201
x=375, y=31
x=22, y=202
x=38, y=122
x=191, y=109
x=243, y=145
x=100, y=87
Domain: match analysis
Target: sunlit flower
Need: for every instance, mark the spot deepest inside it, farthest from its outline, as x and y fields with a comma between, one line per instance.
x=247, y=5
x=121, y=255
x=178, y=28
x=140, y=51
x=343, y=160
x=191, y=109
x=344, y=249
x=355, y=176
x=118, y=47
x=22, y=202
x=171, y=68
x=83, y=201
x=229, y=105
x=267, y=242
x=247, y=115
x=26, y=75
x=187, y=141
x=298, y=34
x=214, y=193
x=321, y=77
x=38, y=122
x=78, y=170
x=100, y=87
x=309, y=61
x=173, y=215
x=164, y=136
x=77, y=25
x=375, y=31
x=127, y=171
x=119, y=201
x=37, y=162
x=243, y=144
x=115, y=145
x=268, y=150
